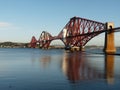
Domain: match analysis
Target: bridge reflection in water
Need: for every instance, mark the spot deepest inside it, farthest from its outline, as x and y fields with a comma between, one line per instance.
x=78, y=66
x=109, y=68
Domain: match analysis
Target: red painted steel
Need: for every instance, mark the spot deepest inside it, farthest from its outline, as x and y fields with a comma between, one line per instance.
x=33, y=42
x=78, y=26
x=45, y=39
x=75, y=33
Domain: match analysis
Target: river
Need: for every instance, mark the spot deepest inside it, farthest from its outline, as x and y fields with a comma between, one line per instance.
x=57, y=69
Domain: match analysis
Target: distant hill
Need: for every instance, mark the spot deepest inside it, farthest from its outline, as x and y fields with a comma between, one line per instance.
x=13, y=45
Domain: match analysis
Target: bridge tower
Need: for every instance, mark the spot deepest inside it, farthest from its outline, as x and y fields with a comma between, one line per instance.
x=109, y=39
x=33, y=42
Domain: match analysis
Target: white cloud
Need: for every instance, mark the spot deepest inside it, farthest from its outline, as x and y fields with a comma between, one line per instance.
x=5, y=24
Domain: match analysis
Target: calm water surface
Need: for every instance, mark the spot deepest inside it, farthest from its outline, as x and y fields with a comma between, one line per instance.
x=56, y=69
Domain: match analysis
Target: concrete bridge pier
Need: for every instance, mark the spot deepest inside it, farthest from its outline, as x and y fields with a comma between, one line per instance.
x=109, y=39
x=77, y=48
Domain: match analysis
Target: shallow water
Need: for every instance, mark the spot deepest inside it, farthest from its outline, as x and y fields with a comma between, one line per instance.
x=56, y=69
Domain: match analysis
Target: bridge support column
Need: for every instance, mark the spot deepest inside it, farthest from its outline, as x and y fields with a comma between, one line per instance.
x=77, y=48
x=82, y=48
x=109, y=39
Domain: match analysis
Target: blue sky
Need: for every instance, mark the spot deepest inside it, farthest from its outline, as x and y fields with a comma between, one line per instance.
x=21, y=19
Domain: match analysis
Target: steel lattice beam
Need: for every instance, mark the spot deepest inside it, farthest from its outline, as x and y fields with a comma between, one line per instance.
x=33, y=42
x=45, y=39
x=77, y=32
x=77, y=27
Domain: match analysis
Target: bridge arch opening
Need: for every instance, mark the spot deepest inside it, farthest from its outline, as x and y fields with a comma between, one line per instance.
x=97, y=40
x=57, y=44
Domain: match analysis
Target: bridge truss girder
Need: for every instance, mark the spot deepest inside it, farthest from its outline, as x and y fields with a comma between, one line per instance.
x=33, y=42
x=76, y=32
x=45, y=39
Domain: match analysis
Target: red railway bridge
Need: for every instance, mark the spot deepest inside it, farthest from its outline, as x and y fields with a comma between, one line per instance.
x=77, y=32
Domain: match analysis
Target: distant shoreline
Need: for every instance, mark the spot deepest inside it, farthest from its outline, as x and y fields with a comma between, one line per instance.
x=27, y=45
x=13, y=45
